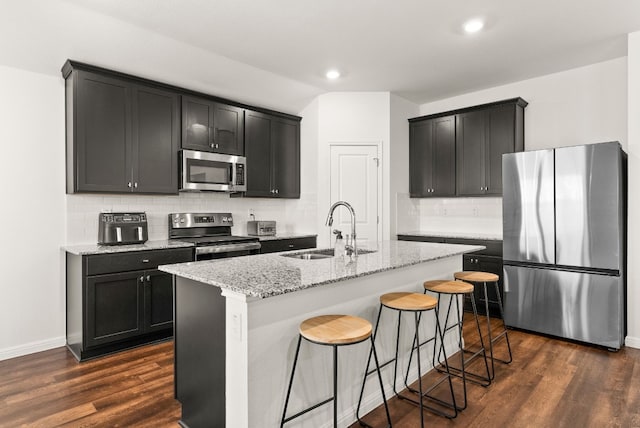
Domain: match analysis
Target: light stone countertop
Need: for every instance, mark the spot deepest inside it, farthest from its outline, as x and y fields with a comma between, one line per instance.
x=284, y=236
x=462, y=235
x=267, y=275
x=89, y=249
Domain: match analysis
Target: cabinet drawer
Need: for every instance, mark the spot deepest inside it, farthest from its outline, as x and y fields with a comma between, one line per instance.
x=273, y=246
x=136, y=260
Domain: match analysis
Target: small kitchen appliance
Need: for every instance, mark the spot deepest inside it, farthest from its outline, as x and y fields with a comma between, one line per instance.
x=261, y=227
x=211, y=234
x=122, y=228
x=212, y=171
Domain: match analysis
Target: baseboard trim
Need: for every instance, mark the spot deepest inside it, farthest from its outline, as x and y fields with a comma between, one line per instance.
x=33, y=347
x=632, y=342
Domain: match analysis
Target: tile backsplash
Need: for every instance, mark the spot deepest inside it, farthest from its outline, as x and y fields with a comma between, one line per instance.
x=459, y=215
x=291, y=215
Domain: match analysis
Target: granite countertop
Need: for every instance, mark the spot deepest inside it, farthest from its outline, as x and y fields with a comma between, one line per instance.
x=267, y=275
x=285, y=236
x=462, y=235
x=89, y=249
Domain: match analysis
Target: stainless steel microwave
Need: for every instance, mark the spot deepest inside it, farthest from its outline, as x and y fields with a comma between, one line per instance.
x=212, y=171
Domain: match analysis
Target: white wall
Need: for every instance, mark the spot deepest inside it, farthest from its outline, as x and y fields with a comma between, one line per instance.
x=350, y=117
x=33, y=212
x=578, y=106
x=40, y=35
x=401, y=110
x=633, y=146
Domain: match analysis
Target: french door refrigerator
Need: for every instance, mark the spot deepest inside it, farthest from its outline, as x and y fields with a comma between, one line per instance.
x=564, y=242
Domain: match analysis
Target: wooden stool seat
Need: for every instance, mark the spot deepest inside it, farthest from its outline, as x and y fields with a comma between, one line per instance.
x=404, y=301
x=335, y=329
x=449, y=287
x=476, y=276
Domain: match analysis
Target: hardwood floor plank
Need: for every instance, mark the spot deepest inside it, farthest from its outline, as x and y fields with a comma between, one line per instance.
x=551, y=383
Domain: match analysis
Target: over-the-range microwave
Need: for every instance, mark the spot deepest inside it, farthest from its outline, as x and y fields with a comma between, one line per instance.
x=212, y=171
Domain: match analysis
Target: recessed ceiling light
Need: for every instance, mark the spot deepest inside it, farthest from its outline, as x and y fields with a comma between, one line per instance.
x=333, y=74
x=473, y=26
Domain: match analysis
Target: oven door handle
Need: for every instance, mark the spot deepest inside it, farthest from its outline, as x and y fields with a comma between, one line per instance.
x=228, y=248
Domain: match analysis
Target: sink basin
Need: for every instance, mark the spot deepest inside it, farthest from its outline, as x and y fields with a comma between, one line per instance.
x=318, y=254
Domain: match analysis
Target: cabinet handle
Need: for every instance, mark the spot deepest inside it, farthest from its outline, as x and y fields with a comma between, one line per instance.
x=291, y=245
x=276, y=191
x=148, y=278
x=129, y=185
x=142, y=278
x=145, y=260
x=135, y=184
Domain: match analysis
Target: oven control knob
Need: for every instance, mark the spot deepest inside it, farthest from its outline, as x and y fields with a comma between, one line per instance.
x=224, y=219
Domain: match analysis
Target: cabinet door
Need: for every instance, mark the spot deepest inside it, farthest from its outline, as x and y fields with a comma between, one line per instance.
x=500, y=140
x=155, y=141
x=443, y=177
x=258, y=153
x=470, y=141
x=420, y=158
x=228, y=129
x=285, y=158
x=103, y=134
x=113, y=308
x=197, y=124
x=158, y=301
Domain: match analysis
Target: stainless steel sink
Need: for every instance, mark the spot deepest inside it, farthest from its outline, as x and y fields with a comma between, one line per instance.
x=318, y=254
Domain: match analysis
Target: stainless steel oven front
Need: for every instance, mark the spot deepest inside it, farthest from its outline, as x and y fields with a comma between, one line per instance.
x=212, y=171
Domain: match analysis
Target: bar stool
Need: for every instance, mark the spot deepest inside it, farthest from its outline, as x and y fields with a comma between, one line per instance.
x=483, y=278
x=454, y=289
x=334, y=331
x=418, y=304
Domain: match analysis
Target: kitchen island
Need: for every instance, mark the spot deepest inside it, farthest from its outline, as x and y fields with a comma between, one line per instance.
x=236, y=326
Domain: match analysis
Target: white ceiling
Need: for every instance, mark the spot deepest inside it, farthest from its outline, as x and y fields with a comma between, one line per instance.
x=414, y=48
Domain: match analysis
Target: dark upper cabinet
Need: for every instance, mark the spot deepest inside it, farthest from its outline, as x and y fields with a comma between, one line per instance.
x=212, y=126
x=432, y=157
x=272, y=148
x=121, y=136
x=482, y=138
x=459, y=153
x=99, y=138
x=156, y=136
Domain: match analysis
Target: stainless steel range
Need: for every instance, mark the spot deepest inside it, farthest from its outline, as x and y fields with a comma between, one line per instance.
x=211, y=234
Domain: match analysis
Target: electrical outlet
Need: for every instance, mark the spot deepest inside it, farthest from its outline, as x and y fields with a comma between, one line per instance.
x=251, y=212
x=475, y=211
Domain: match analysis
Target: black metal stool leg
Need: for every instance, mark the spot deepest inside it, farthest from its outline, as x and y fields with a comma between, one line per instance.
x=504, y=326
x=293, y=371
x=335, y=386
x=384, y=399
x=486, y=305
x=419, y=370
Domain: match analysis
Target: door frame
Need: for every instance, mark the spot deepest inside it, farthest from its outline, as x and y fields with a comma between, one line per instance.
x=378, y=145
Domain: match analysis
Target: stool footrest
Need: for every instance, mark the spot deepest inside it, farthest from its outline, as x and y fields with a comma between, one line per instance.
x=431, y=408
x=328, y=400
x=470, y=376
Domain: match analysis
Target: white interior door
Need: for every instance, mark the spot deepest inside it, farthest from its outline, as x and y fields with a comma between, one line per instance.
x=355, y=179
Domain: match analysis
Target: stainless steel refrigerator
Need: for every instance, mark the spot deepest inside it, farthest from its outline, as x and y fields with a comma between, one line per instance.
x=564, y=242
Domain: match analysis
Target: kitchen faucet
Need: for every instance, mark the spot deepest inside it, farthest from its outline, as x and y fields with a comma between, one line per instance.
x=351, y=249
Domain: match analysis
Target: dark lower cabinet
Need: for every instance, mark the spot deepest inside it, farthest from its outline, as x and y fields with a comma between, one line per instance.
x=277, y=245
x=117, y=301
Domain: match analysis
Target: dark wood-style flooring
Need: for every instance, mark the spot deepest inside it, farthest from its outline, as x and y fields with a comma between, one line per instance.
x=551, y=383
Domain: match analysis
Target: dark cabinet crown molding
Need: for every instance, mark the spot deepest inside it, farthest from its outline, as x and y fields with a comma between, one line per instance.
x=517, y=101
x=71, y=65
